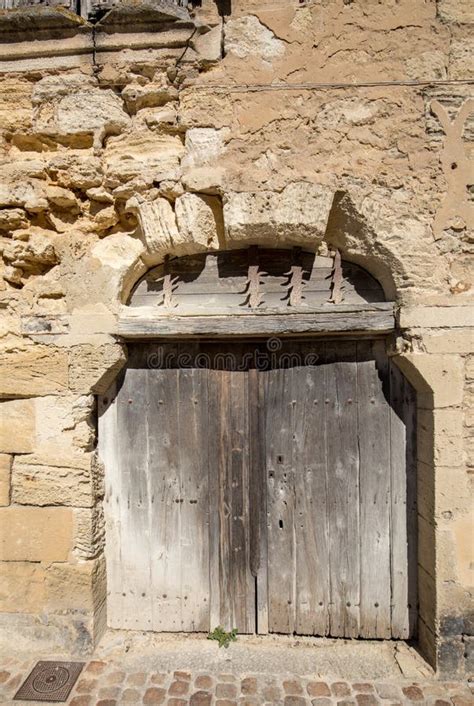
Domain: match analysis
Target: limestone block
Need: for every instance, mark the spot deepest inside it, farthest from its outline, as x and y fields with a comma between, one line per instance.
x=208, y=46
x=456, y=11
x=28, y=193
x=158, y=228
x=427, y=65
x=440, y=437
x=62, y=198
x=63, y=422
x=426, y=595
x=73, y=585
x=449, y=341
x=13, y=219
x=35, y=534
x=75, y=171
x=17, y=426
x=461, y=59
x=29, y=370
x=15, y=104
x=5, y=471
x=93, y=368
x=299, y=214
x=22, y=587
x=89, y=531
x=438, y=379
x=143, y=154
x=200, y=223
x=470, y=367
x=36, y=253
x=203, y=146
x=72, y=105
x=437, y=316
x=205, y=180
x=247, y=36
x=57, y=479
x=153, y=94
x=161, y=117
x=120, y=266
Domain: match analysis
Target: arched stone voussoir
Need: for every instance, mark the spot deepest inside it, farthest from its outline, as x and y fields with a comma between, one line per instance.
x=296, y=216
x=121, y=264
x=373, y=229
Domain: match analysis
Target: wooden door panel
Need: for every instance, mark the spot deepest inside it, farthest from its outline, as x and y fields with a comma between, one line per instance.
x=373, y=394
x=281, y=501
x=311, y=526
x=403, y=525
x=233, y=596
x=272, y=499
x=179, y=497
x=342, y=488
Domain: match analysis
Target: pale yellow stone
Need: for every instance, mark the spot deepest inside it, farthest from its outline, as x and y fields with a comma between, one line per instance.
x=461, y=59
x=53, y=480
x=470, y=367
x=247, y=36
x=440, y=439
x=15, y=104
x=89, y=531
x=5, y=471
x=35, y=534
x=200, y=223
x=438, y=379
x=437, y=316
x=460, y=550
x=74, y=585
x=30, y=370
x=449, y=341
x=298, y=215
x=17, y=426
x=143, y=154
x=22, y=587
x=93, y=368
x=456, y=10
x=119, y=267
x=452, y=491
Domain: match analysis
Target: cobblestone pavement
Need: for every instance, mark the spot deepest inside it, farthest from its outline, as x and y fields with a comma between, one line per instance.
x=104, y=683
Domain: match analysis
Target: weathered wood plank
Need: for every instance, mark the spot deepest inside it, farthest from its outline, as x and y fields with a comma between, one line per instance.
x=281, y=501
x=343, y=488
x=135, y=608
x=230, y=425
x=194, y=501
x=403, y=529
x=258, y=496
x=165, y=493
x=109, y=455
x=311, y=522
x=373, y=391
x=374, y=318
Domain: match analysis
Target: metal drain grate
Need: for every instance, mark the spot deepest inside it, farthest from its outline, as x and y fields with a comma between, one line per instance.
x=49, y=681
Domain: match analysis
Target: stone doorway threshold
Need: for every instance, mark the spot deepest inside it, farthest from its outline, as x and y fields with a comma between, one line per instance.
x=270, y=654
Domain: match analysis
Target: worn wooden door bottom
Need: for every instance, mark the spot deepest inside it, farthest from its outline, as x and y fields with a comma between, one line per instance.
x=266, y=486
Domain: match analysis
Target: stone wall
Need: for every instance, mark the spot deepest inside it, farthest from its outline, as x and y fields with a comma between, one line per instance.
x=341, y=123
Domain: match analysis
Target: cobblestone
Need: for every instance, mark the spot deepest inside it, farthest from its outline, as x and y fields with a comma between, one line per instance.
x=111, y=684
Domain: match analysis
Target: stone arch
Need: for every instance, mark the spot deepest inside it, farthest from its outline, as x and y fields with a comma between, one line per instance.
x=371, y=229
x=371, y=234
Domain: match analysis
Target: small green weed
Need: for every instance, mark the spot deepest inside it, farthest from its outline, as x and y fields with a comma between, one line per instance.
x=223, y=638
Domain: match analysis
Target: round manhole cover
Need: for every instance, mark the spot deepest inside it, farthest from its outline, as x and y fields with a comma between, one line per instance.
x=50, y=679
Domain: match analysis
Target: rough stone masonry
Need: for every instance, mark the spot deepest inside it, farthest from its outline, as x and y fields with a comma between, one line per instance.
x=146, y=129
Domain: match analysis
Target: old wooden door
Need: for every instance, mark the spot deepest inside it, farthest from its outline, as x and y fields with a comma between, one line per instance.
x=266, y=486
